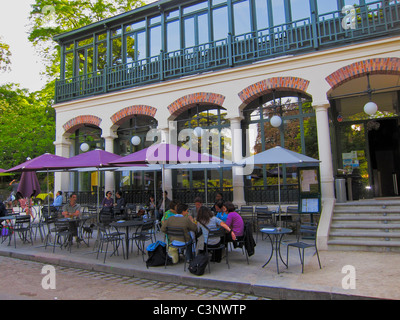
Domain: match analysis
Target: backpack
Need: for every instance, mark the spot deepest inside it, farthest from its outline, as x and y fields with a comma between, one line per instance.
x=157, y=254
x=198, y=264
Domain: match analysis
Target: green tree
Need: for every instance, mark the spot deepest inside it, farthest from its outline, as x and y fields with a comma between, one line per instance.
x=27, y=126
x=52, y=17
x=5, y=55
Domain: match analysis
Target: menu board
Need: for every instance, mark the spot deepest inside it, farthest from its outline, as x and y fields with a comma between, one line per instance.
x=309, y=181
x=310, y=205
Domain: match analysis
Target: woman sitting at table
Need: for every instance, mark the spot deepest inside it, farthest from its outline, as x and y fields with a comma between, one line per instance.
x=108, y=202
x=234, y=221
x=208, y=222
x=220, y=211
x=172, y=210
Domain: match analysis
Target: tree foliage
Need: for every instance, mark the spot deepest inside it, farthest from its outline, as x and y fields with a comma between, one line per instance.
x=5, y=55
x=52, y=17
x=27, y=126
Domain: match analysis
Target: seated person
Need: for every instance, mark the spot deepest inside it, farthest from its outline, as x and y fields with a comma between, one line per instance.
x=108, y=202
x=198, y=203
x=3, y=209
x=181, y=220
x=208, y=222
x=120, y=204
x=57, y=203
x=72, y=210
x=171, y=212
x=220, y=211
x=234, y=221
x=218, y=198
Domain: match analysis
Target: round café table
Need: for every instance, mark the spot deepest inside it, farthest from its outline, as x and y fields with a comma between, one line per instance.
x=275, y=235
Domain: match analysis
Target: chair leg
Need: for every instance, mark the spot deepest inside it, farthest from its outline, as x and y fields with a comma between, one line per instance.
x=319, y=261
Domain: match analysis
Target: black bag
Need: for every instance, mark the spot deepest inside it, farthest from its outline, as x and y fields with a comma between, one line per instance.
x=3, y=210
x=157, y=254
x=198, y=264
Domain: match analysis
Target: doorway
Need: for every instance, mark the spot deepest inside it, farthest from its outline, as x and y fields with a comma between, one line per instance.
x=384, y=147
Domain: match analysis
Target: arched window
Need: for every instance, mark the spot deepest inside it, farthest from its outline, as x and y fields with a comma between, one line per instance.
x=212, y=140
x=132, y=138
x=297, y=132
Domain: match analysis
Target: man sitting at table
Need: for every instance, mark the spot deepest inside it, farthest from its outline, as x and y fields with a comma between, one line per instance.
x=71, y=209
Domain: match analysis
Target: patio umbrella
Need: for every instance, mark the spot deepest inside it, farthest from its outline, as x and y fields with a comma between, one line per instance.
x=279, y=156
x=166, y=154
x=95, y=159
x=43, y=162
x=28, y=186
x=2, y=170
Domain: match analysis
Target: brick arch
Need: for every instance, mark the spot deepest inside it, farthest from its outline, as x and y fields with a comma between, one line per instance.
x=127, y=113
x=277, y=83
x=75, y=123
x=186, y=102
x=362, y=68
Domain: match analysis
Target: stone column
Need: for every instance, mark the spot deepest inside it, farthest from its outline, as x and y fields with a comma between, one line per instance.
x=327, y=176
x=109, y=183
x=237, y=172
x=61, y=179
x=325, y=151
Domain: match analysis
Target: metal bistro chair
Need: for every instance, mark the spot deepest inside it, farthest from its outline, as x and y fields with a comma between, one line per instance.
x=264, y=219
x=309, y=232
x=247, y=213
x=182, y=246
x=105, y=236
x=220, y=233
x=22, y=226
x=142, y=234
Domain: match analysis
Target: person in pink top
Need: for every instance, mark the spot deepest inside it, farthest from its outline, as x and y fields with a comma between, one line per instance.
x=234, y=221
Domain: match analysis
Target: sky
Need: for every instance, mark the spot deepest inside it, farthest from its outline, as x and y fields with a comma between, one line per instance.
x=26, y=65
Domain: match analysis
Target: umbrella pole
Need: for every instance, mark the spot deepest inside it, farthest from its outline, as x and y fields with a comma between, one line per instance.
x=163, y=187
x=206, y=185
x=48, y=196
x=279, y=194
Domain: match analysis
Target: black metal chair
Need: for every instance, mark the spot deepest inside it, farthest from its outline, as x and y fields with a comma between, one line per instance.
x=181, y=246
x=264, y=219
x=308, y=232
x=221, y=234
x=142, y=234
x=60, y=233
x=106, y=237
x=247, y=213
x=22, y=226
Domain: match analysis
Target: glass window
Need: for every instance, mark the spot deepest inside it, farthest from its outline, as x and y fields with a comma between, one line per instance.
x=326, y=6
x=141, y=46
x=196, y=7
x=101, y=55
x=220, y=23
x=241, y=13
x=351, y=2
x=116, y=52
x=69, y=65
x=262, y=14
x=278, y=12
x=300, y=9
x=130, y=48
x=155, y=41
x=189, y=32
x=172, y=14
x=203, y=28
x=173, y=33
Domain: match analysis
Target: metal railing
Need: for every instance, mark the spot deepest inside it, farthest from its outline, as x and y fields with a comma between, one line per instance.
x=318, y=32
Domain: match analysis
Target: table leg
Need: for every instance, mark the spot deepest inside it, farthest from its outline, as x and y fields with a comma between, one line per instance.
x=127, y=242
x=272, y=251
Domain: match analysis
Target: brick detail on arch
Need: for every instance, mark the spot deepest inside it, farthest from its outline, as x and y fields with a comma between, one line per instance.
x=278, y=83
x=361, y=68
x=79, y=121
x=129, y=112
x=185, y=103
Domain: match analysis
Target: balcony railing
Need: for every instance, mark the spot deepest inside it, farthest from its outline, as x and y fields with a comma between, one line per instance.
x=318, y=32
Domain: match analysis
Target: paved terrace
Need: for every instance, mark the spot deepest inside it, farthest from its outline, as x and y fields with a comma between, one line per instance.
x=377, y=274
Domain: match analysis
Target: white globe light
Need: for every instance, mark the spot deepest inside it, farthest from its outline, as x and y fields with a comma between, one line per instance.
x=85, y=147
x=135, y=140
x=276, y=121
x=198, y=132
x=370, y=108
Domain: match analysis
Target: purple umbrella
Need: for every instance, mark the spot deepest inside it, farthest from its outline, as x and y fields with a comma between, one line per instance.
x=28, y=186
x=43, y=162
x=2, y=170
x=95, y=158
x=164, y=153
